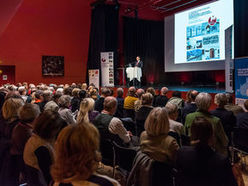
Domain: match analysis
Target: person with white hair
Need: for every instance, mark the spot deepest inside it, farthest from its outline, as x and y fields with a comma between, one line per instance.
x=203, y=102
x=64, y=103
x=162, y=99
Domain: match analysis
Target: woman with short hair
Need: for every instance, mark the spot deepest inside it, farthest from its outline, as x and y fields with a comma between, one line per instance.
x=64, y=103
x=77, y=157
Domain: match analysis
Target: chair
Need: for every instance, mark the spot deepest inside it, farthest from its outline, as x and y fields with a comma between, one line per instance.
x=107, y=151
x=239, y=144
x=34, y=177
x=124, y=158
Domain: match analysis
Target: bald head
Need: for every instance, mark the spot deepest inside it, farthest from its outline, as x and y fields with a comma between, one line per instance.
x=110, y=104
x=139, y=92
x=164, y=91
x=131, y=91
x=193, y=94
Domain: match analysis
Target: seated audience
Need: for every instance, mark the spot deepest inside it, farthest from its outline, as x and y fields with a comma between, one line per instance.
x=46, y=96
x=162, y=99
x=75, y=101
x=190, y=105
x=143, y=112
x=154, y=141
x=176, y=99
x=152, y=91
x=8, y=173
x=175, y=126
x=23, y=92
x=86, y=111
x=199, y=164
x=110, y=127
x=39, y=151
x=120, y=103
x=99, y=103
x=53, y=104
x=22, y=132
x=64, y=111
x=236, y=109
x=242, y=118
x=203, y=102
x=228, y=120
x=137, y=103
x=77, y=157
x=129, y=103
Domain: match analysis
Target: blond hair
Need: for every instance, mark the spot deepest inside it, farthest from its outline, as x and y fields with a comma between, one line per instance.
x=10, y=108
x=86, y=105
x=157, y=122
x=77, y=155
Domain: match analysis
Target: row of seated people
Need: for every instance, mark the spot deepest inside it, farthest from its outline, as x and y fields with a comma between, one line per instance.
x=28, y=142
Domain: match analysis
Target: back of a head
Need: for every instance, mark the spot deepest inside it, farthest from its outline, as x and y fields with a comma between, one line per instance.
x=75, y=92
x=47, y=95
x=220, y=100
x=147, y=99
x=10, y=108
x=203, y=101
x=193, y=95
x=229, y=98
x=131, y=91
x=86, y=105
x=164, y=90
x=82, y=94
x=64, y=101
x=151, y=90
x=28, y=112
x=171, y=108
x=139, y=92
x=246, y=105
x=120, y=92
x=109, y=103
x=201, y=131
x=157, y=122
x=48, y=125
x=105, y=92
x=77, y=153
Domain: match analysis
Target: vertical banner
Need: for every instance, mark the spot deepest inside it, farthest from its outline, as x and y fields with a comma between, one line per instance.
x=107, y=69
x=229, y=59
x=94, y=77
x=241, y=80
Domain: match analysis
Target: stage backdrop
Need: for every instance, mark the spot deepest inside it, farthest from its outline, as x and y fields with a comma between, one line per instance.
x=103, y=34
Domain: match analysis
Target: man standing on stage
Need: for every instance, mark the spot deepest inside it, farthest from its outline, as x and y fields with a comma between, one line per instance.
x=138, y=63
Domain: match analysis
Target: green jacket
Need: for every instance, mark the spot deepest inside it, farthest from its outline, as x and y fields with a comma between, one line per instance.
x=220, y=138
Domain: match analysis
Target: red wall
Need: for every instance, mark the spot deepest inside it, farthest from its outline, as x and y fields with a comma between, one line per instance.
x=57, y=27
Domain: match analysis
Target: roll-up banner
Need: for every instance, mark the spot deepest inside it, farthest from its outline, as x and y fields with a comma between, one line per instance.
x=107, y=69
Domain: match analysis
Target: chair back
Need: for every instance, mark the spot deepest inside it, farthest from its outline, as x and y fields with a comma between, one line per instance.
x=34, y=176
x=124, y=157
x=107, y=151
x=240, y=139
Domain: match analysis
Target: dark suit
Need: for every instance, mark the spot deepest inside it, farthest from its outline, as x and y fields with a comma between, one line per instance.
x=242, y=120
x=138, y=64
x=201, y=166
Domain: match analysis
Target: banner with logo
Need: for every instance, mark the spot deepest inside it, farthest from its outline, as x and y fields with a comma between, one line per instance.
x=94, y=77
x=107, y=69
x=229, y=66
x=241, y=80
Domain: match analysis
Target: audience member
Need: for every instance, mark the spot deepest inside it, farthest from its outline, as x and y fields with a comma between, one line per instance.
x=86, y=111
x=172, y=110
x=39, y=151
x=111, y=127
x=64, y=111
x=53, y=104
x=137, y=103
x=176, y=99
x=143, y=112
x=162, y=99
x=228, y=120
x=152, y=91
x=154, y=141
x=190, y=105
x=75, y=101
x=99, y=103
x=199, y=164
x=23, y=92
x=46, y=96
x=203, y=102
x=120, y=103
x=242, y=118
x=77, y=157
x=236, y=109
x=129, y=103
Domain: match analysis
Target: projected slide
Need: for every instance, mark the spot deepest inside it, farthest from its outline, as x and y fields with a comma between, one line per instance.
x=200, y=32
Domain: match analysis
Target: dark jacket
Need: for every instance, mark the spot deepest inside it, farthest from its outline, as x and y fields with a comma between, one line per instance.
x=242, y=120
x=160, y=101
x=201, y=166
